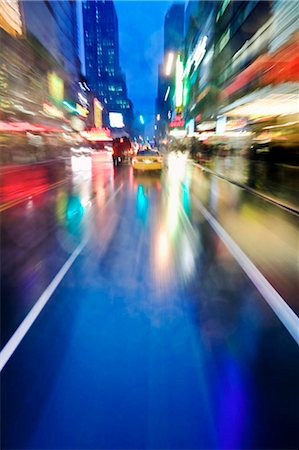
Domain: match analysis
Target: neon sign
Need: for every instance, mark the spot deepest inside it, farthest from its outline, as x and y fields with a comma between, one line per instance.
x=179, y=82
x=178, y=122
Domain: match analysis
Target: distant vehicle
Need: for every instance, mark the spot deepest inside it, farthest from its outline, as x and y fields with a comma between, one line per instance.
x=147, y=160
x=122, y=150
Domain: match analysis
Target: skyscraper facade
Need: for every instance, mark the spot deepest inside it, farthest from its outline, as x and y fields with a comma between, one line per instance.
x=199, y=50
x=40, y=64
x=173, y=44
x=102, y=65
x=174, y=28
x=54, y=25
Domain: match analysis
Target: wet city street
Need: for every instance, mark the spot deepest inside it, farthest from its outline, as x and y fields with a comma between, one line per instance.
x=145, y=310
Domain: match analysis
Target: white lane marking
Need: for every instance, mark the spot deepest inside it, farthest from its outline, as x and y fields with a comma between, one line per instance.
x=272, y=297
x=24, y=327
x=21, y=331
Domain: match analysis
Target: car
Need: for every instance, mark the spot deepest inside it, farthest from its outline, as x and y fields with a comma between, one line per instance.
x=122, y=150
x=147, y=160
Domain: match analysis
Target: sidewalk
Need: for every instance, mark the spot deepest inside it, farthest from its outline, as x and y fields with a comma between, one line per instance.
x=277, y=183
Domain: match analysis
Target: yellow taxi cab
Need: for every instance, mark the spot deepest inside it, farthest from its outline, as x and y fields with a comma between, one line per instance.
x=147, y=159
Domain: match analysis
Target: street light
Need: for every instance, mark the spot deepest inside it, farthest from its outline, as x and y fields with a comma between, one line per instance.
x=169, y=63
x=158, y=117
x=141, y=120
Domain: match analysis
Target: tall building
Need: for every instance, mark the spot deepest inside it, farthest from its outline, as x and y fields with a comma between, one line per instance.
x=173, y=43
x=242, y=35
x=174, y=28
x=39, y=60
x=54, y=25
x=256, y=59
x=199, y=92
x=102, y=66
x=221, y=40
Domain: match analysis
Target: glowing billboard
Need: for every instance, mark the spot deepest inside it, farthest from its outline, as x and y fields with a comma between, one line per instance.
x=97, y=113
x=56, y=87
x=116, y=120
x=177, y=122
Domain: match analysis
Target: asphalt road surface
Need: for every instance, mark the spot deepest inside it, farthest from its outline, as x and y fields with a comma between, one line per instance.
x=146, y=311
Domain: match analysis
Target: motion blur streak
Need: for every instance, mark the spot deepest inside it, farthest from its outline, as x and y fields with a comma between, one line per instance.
x=149, y=224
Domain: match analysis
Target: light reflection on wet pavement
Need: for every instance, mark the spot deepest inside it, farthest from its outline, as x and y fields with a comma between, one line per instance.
x=155, y=338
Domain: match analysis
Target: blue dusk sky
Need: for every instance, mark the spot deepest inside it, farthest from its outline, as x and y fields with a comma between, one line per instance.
x=141, y=45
